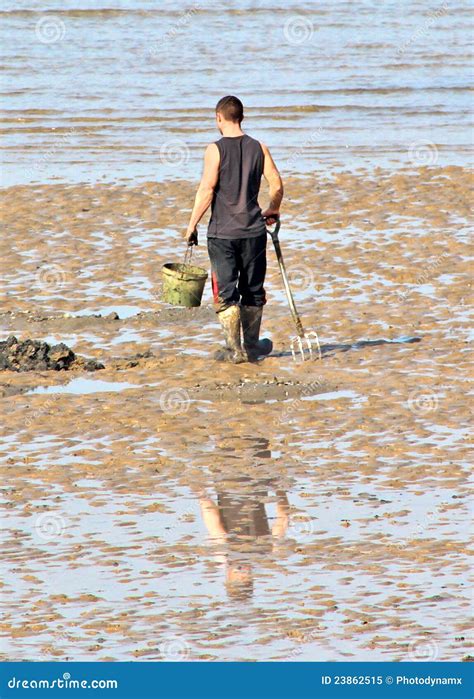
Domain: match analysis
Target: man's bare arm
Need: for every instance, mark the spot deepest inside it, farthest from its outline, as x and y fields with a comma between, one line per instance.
x=206, y=188
x=272, y=176
x=282, y=516
x=212, y=519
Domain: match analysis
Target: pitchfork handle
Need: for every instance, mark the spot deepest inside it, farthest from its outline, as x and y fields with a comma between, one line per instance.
x=276, y=243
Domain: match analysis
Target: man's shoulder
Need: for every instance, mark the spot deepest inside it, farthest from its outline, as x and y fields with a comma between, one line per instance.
x=256, y=143
x=251, y=138
x=212, y=148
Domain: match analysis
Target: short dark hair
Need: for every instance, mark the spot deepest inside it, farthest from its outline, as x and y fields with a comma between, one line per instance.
x=231, y=108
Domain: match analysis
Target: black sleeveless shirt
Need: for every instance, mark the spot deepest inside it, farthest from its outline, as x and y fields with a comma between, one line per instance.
x=235, y=209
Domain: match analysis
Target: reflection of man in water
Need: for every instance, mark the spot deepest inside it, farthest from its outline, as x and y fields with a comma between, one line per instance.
x=240, y=521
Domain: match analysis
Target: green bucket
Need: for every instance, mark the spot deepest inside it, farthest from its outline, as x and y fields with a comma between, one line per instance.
x=183, y=284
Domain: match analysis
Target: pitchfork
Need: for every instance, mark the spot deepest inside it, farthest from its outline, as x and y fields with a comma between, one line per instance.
x=303, y=340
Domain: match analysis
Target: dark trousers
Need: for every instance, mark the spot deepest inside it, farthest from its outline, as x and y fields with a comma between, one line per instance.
x=238, y=271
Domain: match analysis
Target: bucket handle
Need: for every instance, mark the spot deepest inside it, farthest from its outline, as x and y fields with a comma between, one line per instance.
x=188, y=254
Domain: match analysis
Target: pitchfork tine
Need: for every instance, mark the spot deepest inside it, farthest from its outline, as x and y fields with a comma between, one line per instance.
x=304, y=343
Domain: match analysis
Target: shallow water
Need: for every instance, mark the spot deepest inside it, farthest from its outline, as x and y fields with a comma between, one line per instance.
x=122, y=311
x=119, y=563
x=82, y=386
x=125, y=90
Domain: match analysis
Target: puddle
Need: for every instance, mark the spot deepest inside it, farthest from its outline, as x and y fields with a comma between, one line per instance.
x=336, y=395
x=126, y=335
x=82, y=386
x=123, y=311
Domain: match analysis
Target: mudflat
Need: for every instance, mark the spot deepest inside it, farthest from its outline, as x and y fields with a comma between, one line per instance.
x=105, y=473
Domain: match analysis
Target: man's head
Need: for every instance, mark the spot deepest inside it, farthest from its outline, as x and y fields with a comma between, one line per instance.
x=229, y=110
x=239, y=581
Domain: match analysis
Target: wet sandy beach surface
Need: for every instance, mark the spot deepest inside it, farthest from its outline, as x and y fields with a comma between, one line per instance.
x=351, y=472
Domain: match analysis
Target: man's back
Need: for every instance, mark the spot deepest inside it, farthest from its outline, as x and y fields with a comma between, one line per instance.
x=235, y=209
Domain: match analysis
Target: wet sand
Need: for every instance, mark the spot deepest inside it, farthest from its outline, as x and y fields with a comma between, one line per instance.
x=106, y=551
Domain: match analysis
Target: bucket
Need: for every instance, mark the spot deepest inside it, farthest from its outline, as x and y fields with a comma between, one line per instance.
x=183, y=284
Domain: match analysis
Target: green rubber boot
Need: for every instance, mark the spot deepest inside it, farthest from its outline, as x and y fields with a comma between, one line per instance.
x=251, y=317
x=230, y=321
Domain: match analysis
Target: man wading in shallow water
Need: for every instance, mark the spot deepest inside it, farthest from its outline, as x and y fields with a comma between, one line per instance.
x=236, y=237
